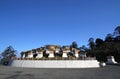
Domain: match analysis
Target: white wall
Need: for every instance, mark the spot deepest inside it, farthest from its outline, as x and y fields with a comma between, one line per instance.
x=55, y=63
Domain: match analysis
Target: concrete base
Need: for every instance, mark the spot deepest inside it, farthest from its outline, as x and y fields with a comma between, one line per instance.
x=111, y=60
x=55, y=63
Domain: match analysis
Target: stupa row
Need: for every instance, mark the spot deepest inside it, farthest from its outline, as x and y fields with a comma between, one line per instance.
x=54, y=52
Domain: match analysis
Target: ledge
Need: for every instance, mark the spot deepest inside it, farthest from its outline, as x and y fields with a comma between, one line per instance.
x=55, y=63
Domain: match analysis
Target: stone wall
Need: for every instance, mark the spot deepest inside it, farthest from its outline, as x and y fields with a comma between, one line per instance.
x=55, y=63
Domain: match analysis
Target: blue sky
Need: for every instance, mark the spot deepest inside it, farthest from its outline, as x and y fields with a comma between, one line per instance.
x=27, y=24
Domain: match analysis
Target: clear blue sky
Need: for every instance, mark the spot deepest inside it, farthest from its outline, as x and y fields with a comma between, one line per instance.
x=27, y=24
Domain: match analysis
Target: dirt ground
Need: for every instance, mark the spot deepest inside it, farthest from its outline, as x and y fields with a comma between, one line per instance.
x=108, y=72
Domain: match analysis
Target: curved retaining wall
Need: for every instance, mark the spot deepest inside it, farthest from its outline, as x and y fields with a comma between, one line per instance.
x=55, y=63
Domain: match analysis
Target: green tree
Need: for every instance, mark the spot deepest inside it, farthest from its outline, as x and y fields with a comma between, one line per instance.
x=99, y=42
x=117, y=30
x=109, y=38
x=74, y=44
x=100, y=50
x=91, y=43
x=116, y=52
x=7, y=54
x=83, y=47
x=90, y=50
